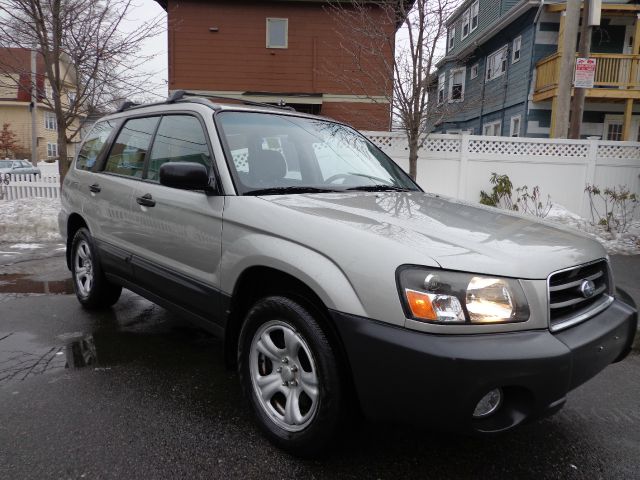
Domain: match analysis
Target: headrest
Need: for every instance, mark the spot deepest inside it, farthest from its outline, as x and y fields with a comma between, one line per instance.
x=267, y=166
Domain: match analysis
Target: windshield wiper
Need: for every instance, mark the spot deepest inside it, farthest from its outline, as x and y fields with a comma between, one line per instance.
x=379, y=188
x=285, y=190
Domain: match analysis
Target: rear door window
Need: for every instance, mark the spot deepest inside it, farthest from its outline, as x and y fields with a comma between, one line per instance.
x=94, y=144
x=130, y=148
x=180, y=138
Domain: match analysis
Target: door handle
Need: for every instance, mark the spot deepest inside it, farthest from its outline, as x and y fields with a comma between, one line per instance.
x=95, y=188
x=146, y=200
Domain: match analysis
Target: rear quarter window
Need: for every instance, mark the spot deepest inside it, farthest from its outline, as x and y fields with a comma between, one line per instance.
x=94, y=144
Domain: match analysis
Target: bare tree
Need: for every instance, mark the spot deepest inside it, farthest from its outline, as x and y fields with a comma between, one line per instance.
x=399, y=71
x=88, y=59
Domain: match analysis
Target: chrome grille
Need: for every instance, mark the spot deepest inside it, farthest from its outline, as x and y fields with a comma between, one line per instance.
x=568, y=304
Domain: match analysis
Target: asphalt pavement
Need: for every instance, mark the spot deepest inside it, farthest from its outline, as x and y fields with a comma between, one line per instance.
x=134, y=392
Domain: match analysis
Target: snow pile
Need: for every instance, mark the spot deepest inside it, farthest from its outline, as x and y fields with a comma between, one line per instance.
x=627, y=243
x=29, y=220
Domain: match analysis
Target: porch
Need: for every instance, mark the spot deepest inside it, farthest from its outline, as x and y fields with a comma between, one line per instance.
x=617, y=75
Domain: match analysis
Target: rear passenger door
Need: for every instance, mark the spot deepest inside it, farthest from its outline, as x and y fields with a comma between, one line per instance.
x=178, y=232
x=110, y=209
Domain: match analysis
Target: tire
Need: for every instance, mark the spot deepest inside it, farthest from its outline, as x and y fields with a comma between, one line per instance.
x=293, y=383
x=92, y=288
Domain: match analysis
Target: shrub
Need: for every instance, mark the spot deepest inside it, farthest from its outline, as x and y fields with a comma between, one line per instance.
x=501, y=196
x=612, y=208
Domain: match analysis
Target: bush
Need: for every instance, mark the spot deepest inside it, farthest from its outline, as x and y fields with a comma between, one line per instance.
x=612, y=208
x=501, y=196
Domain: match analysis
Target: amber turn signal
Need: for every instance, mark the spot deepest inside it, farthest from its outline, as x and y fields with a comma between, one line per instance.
x=420, y=305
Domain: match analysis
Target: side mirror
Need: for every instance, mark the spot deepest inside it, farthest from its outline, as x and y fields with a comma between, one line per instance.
x=184, y=175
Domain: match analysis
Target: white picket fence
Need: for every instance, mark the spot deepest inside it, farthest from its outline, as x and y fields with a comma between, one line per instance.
x=28, y=186
x=460, y=165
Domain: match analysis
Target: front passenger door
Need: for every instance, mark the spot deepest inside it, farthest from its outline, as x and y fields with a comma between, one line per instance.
x=179, y=232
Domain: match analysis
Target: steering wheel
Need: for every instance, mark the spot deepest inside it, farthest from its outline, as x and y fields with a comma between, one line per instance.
x=337, y=176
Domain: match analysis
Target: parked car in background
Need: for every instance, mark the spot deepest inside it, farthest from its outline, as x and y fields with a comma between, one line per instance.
x=18, y=167
x=335, y=281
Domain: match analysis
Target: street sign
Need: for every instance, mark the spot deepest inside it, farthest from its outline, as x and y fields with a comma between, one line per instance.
x=585, y=73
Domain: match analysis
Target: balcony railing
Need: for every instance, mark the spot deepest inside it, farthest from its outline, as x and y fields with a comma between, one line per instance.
x=620, y=71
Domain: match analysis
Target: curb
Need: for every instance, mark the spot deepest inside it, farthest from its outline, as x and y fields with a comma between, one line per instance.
x=636, y=342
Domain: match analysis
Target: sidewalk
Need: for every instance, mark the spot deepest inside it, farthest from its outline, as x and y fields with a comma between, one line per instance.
x=42, y=271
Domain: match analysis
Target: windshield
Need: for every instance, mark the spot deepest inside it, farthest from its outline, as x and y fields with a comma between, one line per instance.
x=5, y=163
x=283, y=154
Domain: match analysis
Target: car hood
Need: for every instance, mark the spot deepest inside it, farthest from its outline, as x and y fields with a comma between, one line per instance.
x=455, y=234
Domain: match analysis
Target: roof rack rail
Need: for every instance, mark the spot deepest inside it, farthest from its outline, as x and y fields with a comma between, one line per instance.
x=182, y=94
x=127, y=104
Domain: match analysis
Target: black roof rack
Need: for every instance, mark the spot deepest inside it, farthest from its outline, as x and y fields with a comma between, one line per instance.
x=184, y=94
x=127, y=104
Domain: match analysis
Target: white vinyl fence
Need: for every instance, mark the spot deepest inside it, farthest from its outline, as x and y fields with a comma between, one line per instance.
x=460, y=165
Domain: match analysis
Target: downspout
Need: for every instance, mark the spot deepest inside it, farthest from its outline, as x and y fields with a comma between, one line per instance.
x=484, y=84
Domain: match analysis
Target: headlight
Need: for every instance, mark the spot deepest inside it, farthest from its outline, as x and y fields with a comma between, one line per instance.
x=439, y=296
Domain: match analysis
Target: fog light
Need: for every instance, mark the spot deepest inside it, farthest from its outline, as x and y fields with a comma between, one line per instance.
x=488, y=404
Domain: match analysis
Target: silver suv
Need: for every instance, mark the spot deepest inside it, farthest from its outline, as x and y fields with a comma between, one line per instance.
x=338, y=285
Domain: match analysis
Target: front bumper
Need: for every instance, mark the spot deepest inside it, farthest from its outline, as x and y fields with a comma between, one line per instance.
x=437, y=380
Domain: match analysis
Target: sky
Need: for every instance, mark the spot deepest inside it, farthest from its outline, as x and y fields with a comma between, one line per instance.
x=145, y=10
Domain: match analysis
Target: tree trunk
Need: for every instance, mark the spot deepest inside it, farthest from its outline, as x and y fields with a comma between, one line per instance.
x=63, y=165
x=413, y=156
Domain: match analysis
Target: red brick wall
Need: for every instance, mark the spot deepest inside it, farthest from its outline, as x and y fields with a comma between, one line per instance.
x=236, y=58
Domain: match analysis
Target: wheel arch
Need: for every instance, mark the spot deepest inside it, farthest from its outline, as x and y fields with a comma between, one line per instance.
x=74, y=223
x=260, y=281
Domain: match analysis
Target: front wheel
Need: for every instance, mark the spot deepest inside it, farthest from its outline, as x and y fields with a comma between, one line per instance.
x=92, y=288
x=290, y=374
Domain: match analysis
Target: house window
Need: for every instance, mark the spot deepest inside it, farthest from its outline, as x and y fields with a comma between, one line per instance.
x=466, y=20
x=50, y=121
x=475, y=8
x=492, y=128
x=440, y=88
x=52, y=150
x=72, y=97
x=456, y=85
x=497, y=63
x=48, y=92
x=514, y=129
x=515, y=52
x=474, y=71
x=452, y=37
x=613, y=131
x=277, y=32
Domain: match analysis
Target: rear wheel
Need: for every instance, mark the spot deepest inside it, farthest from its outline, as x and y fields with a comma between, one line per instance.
x=92, y=288
x=290, y=375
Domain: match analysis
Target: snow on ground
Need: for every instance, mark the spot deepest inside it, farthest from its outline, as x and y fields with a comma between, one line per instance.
x=627, y=243
x=29, y=220
x=48, y=169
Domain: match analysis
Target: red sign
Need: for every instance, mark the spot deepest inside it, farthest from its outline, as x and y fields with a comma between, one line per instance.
x=585, y=73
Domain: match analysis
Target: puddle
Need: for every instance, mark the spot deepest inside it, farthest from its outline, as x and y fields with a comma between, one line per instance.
x=22, y=357
x=21, y=283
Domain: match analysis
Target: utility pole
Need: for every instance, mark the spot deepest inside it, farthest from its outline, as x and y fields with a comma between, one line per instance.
x=34, y=112
x=579, y=94
x=565, y=76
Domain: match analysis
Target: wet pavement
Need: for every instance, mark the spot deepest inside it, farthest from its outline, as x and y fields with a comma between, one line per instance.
x=134, y=392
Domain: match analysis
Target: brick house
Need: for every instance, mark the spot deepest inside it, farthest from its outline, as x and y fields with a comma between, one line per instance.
x=275, y=50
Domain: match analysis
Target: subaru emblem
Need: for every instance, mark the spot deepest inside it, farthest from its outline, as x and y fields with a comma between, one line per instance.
x=587, y=288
